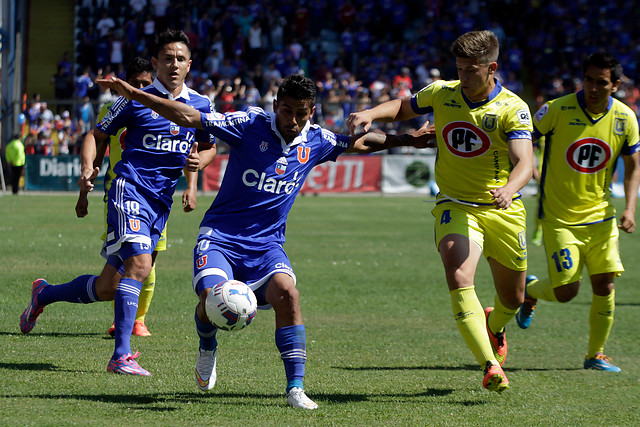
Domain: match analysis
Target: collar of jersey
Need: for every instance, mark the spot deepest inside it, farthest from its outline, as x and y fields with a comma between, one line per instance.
x=496, y=90
x=184, y=93
x=297, y=140
x=583, y=105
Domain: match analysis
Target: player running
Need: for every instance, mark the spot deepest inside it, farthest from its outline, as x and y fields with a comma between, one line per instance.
x=585, y=133
x=139, y=73
x=484, y=158
x=139, y=201
x=242, y=234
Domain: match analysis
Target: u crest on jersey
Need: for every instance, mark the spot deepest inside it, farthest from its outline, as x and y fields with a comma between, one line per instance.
x=619, y=126
x=303, y=154
x=134, y=224
x=202, y=261
x=489, y=122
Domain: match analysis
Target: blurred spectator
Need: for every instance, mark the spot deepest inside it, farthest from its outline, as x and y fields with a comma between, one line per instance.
x=15, y=155
x=105, y=24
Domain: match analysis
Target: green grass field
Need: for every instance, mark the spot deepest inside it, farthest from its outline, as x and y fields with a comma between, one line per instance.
x=382, y=347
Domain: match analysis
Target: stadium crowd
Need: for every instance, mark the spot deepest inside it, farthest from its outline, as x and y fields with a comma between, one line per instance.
x=360, y=52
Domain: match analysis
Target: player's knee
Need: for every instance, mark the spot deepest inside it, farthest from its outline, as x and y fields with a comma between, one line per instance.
x=281, y=292
x=567, y=292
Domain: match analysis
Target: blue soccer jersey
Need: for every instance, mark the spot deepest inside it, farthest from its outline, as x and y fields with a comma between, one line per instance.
x=155, y=149
x=263, y=176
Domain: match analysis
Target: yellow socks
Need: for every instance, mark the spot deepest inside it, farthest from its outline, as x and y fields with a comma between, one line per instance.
x=500, y=316
x=600, y=322
x=541, y=289
x=470, y=319
x=144, y=300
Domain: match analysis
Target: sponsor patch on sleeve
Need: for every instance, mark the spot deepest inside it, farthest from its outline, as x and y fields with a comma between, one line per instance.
x=524, y=116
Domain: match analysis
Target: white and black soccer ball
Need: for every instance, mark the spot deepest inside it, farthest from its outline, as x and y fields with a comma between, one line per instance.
x=231, y=305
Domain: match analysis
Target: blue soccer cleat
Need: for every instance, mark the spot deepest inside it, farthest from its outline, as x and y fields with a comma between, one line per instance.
x=30, y=315
x=600, y=363
x=525, y=314
x=126, y=364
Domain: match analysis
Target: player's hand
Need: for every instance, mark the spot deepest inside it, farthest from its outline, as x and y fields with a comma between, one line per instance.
x=193, y=159
x=189, y=200
x=82, y=205
x=502, y=197
x=358, y=119
x=425, y=137
x=85, y=182
x=123, y=88
x=627, y=221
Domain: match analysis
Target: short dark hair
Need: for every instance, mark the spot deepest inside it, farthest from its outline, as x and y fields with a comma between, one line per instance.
x=297, y=87
x=138, y=65
x=482, y=46
x=605, y=61
x=170, y=36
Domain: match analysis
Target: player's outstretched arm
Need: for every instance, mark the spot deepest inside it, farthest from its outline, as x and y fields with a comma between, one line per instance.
x=371, y=142
x=390, y=111
x=631, y=183
x=178, y=112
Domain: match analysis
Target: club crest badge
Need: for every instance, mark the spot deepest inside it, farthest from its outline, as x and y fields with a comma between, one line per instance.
x=303, y=154
x=264, y=145
x=281, y=165
x=489, y=122
x=174, y=129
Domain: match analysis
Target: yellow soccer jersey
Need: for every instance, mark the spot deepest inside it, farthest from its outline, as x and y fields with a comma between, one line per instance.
x=472, y=138
x=116, y=144
x=580, y=157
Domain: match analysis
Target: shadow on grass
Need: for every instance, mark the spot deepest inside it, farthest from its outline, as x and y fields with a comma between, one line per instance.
x=145, y=401
x=54, y=334
x=444, y=368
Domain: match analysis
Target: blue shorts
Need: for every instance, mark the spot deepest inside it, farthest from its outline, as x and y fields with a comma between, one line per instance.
x=134, y=224
x=215, y=262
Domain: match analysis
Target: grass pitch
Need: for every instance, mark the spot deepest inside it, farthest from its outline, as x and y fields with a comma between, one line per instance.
x=382, y=347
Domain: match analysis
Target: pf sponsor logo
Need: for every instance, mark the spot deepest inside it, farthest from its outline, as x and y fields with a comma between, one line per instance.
x=465, y=139
x=588, y=155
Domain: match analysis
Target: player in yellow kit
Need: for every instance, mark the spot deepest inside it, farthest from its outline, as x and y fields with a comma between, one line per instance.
x=585, y=133
x=484, y=159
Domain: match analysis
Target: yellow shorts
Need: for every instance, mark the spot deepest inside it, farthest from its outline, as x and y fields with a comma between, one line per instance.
x=162, y=243
x=569, y=248
x=501, y=234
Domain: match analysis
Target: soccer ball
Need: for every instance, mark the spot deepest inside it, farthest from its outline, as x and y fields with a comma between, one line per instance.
x=231, y=305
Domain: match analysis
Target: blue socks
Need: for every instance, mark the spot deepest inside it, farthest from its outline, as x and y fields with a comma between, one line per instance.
x=207, y=333
x=125, y=307
x=292, y=343
x=82, y=290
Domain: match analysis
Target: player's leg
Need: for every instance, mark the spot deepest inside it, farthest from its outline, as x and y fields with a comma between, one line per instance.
x=210, y=267
x=563, y=247
x=146, y=294
x=604, y=264
x=290, y=336
x=509, y=296
x=134, y=227
x=459, y=240
x=83, y=289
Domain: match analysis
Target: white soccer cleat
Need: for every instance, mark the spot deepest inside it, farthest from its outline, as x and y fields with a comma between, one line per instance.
x=206, y=369
x=298, y=399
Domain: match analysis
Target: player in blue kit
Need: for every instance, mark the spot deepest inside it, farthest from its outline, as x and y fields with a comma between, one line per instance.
x=242, y=234
x=156, y=152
